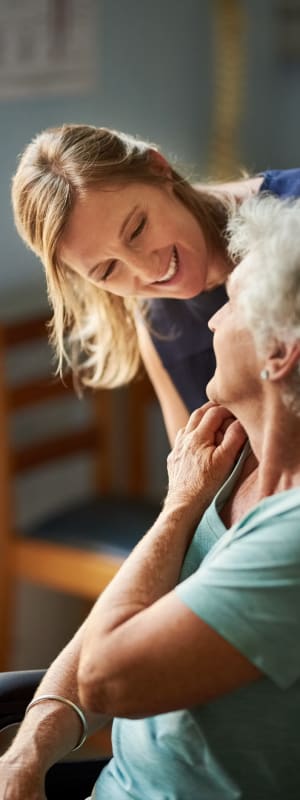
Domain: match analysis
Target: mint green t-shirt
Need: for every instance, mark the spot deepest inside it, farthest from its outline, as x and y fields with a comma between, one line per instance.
x=245, y=583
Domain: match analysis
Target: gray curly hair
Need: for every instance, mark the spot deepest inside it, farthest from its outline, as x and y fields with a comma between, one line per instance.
x=269, y=230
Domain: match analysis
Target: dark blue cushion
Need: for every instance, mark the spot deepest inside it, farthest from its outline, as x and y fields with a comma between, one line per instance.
x=112, y=525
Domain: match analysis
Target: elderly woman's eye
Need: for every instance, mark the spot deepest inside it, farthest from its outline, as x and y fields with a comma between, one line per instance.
x=139, y=229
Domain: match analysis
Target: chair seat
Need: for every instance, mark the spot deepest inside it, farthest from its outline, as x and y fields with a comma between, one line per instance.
x=112, y=524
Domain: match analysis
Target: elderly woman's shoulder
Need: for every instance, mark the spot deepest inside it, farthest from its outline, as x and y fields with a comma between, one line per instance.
x=275, y=523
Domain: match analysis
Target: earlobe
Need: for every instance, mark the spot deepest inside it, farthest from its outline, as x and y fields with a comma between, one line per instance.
x=282, y=361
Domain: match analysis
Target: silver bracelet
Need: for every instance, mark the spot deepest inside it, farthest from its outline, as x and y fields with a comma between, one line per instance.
x=69, y=703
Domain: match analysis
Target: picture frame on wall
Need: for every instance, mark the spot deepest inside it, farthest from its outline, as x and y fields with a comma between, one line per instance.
x=46, y=47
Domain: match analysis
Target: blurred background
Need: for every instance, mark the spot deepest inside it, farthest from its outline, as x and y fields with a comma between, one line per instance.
x=215, y=83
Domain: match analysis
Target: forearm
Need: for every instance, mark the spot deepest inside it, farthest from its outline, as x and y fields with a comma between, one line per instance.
x=174, y=411
x=239, y=189
x=151, y=571
x=51, y=729
x=197, y=468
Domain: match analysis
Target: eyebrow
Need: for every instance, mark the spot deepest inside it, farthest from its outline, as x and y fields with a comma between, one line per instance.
x=121, y=231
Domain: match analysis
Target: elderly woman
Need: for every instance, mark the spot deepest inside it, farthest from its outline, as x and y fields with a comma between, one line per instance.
x=194, y=647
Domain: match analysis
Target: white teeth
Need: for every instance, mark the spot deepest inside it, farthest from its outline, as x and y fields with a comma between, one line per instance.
x=171, y=270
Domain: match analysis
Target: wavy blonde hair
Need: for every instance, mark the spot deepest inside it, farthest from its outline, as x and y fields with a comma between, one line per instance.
x=93, y=331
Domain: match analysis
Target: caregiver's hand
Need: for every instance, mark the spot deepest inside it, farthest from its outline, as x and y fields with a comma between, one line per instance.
x=204, y=453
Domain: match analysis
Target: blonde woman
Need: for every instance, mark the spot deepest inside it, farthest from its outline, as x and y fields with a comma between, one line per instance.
x=135, y=258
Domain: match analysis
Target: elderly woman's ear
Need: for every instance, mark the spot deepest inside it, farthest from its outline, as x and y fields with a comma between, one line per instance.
x=282, y=360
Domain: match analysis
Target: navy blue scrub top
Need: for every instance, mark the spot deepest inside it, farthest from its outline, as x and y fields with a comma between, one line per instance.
x=180, y=332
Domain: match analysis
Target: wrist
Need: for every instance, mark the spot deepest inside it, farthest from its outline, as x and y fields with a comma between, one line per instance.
x=180, y=507
x=181, y=514
x=45, y=736
x=24, y=758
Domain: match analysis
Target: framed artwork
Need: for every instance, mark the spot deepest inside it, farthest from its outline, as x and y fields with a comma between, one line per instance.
x=288, y=30
x=46, y=46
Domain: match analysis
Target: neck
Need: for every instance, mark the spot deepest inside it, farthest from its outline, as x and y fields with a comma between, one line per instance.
x=219, y=270
x=275, y=443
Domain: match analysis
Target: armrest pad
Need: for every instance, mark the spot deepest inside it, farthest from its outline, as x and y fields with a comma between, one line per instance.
x=16, y=691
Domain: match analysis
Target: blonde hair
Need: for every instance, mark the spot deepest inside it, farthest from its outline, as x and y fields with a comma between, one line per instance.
x=93, y=331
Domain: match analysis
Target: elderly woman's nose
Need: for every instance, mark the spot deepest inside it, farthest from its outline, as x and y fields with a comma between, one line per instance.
x=213, y=321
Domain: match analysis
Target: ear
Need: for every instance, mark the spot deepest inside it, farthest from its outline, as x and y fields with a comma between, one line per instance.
x=283, y=360
x=159, y=163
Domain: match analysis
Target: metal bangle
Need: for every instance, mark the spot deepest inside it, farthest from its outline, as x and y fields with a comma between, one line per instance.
x=69, y=703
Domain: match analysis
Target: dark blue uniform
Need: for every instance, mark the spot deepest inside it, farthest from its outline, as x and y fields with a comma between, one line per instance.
x=179, y=327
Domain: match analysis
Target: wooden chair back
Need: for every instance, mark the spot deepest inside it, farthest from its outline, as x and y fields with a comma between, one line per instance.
x=67, y=567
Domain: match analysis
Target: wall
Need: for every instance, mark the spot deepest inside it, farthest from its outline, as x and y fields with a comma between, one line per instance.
x=154, y=77
x=271, y=125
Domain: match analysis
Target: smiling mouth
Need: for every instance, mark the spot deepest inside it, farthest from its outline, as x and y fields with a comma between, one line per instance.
x=172, y=268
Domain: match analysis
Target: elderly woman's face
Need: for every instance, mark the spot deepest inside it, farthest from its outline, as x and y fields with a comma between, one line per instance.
x=237, y=375
x=137, y=239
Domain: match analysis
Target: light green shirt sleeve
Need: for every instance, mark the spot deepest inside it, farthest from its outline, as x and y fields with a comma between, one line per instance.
x=248, y=587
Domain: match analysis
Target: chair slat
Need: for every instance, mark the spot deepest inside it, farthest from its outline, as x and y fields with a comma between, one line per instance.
x=72, y=569
x=23, y=331
x=52, y=449
x=35, y=392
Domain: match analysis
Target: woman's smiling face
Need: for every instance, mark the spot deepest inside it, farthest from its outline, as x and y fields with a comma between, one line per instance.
x=136, y=240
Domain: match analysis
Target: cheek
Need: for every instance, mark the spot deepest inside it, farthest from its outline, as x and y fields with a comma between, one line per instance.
x=118, y=290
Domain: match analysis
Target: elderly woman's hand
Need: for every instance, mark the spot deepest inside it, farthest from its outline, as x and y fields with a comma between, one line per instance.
x=204, y=453
x=19, y=781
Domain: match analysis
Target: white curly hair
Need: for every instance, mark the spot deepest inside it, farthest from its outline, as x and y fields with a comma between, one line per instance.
x=268, y=230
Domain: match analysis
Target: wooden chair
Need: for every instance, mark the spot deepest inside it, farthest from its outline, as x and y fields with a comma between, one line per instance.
x=78, y=550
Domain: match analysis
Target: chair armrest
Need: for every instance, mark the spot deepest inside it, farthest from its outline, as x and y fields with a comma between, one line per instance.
x=16, y=691
x=67, y=779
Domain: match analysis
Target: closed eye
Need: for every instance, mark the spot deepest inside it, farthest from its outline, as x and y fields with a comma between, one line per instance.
x=109, y=270
x=139, y=229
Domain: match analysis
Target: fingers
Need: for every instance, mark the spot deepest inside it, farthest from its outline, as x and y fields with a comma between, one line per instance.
x=211, y=419
x=234, y=437
x=215, y=418
x=194, y=419
x=198, y=415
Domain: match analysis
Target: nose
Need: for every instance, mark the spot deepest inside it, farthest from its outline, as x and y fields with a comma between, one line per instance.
x=150, y=265
x=213, y=321
x=141, y=266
